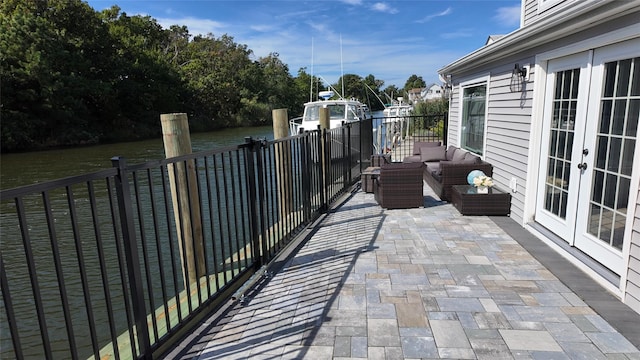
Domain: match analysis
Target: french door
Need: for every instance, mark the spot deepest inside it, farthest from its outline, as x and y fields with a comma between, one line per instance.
x=590, y=127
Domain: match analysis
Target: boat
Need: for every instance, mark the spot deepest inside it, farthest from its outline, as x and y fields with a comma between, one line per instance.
x=341, y=111
x=397, y=109
x=394, y=126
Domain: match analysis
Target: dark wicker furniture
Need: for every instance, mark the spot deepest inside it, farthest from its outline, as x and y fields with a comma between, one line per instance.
x=451, y=174
x=399, y=186
x=379, y=159
x=368, y=175
x=469, y=202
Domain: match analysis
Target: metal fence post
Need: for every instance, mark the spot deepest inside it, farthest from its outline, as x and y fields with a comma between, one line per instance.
x=305, y=156
x=324, y=151
x=445, y=128
x=349, y=155
x=125, y=210
x=254, y=205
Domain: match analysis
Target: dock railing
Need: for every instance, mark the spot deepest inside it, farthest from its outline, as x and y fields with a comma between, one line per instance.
x=395, y=135
x=91, y=265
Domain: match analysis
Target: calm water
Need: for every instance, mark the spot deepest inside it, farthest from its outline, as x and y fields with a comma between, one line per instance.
x=33, y=167
x=28, y=168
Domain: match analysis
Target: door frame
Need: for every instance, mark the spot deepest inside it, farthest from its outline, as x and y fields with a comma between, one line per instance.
x=563, y=228
x=530, y=193
x=602, y=55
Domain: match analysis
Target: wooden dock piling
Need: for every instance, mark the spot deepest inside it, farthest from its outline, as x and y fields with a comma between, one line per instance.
x=283, y=161
x=184, y=192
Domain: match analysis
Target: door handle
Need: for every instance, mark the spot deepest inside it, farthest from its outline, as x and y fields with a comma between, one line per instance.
x=582, y=166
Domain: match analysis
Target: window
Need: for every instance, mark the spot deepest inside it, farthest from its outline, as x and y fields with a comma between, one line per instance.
x=473, y=118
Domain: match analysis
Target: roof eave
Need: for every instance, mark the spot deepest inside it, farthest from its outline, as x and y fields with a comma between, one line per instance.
x=542, y=31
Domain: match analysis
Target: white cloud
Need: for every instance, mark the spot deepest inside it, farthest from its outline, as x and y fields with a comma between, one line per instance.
x=429, y=17
x=508, y=16
x=383, y=7
x=196, y=26
x=262, y=28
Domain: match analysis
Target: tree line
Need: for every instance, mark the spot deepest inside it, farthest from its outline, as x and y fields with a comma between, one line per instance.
x=70, y=75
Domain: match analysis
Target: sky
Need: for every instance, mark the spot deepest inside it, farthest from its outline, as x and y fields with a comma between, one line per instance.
x=390, y=40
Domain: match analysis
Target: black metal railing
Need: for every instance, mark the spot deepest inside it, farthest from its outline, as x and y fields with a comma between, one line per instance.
x=120, y=263
x=395, y=135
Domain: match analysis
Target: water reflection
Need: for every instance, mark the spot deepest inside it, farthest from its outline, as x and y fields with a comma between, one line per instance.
x=34, y=167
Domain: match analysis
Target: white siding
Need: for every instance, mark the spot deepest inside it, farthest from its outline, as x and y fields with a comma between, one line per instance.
x=454, y=117
x=508, y=133
x=633, y=277
x=530, y=11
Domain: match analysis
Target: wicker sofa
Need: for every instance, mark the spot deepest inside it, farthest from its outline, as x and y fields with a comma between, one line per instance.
x=447, y=166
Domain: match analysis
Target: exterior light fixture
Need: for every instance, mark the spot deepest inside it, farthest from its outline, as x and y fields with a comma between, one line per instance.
x=520, y=71
x=448, y=87
x=519, y=77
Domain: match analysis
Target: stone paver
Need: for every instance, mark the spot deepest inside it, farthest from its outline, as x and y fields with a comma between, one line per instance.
x=408, y=284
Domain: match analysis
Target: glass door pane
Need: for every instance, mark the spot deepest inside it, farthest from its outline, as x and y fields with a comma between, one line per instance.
x=615, y=146
x=561, y=136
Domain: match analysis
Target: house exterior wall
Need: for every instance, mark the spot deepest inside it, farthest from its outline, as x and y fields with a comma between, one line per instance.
x=633, y=278
x=509, y=117
x=508, y=125
x=530, y=11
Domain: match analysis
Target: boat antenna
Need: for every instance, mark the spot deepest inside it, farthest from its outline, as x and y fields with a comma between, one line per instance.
x=341, y=67
x=374, y=93
x=311, y=81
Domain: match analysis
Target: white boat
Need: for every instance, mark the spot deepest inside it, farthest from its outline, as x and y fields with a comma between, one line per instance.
x=398, y=109
x=340, y=111
x=394, y=127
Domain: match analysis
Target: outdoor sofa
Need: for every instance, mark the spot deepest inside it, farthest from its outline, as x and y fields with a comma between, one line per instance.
x=445, y=166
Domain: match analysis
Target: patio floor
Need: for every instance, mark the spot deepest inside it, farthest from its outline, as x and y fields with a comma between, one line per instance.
x=423, y=283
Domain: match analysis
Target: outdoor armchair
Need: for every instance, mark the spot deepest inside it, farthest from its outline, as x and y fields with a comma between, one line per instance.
x=399, y=186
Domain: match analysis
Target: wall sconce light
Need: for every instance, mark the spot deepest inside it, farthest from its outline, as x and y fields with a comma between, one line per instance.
x=448, y=87
x=519, y=77
x=520, y=71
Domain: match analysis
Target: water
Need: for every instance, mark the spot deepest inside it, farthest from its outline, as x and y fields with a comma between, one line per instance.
x=34, y=167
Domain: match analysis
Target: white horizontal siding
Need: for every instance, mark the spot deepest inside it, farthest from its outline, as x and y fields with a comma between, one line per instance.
x=508, y=133
x=530, y=11
x=633, y=276
x=454, y=117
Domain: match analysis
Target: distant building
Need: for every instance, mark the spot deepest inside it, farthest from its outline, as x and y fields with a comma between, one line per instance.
x=415, y=95
x=431, y=92
x=554, y=106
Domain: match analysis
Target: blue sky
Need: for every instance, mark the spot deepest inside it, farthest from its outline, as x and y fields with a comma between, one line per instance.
x=390, y=39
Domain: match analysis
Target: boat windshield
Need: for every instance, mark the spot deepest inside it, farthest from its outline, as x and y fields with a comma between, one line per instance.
x=336, y=112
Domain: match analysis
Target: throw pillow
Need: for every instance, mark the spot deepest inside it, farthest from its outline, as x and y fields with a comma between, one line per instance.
x=435, y=153
x=472, y=158
x=420, y=144
x=459, y=155
x=451, y=150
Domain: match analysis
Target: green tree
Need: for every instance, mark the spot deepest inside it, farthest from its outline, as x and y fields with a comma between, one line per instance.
x=390, y=94
x=374, y=95
x=214, y=70
x=353, y=87
x=145, y=83
x=307, y=89
x=55, y=66
x=432, y=107
x=414, y=82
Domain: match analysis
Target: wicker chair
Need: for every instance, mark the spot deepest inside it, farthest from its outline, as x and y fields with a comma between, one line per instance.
x=399, y=186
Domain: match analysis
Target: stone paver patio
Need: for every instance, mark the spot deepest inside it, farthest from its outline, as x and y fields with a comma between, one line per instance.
x=423, y=283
